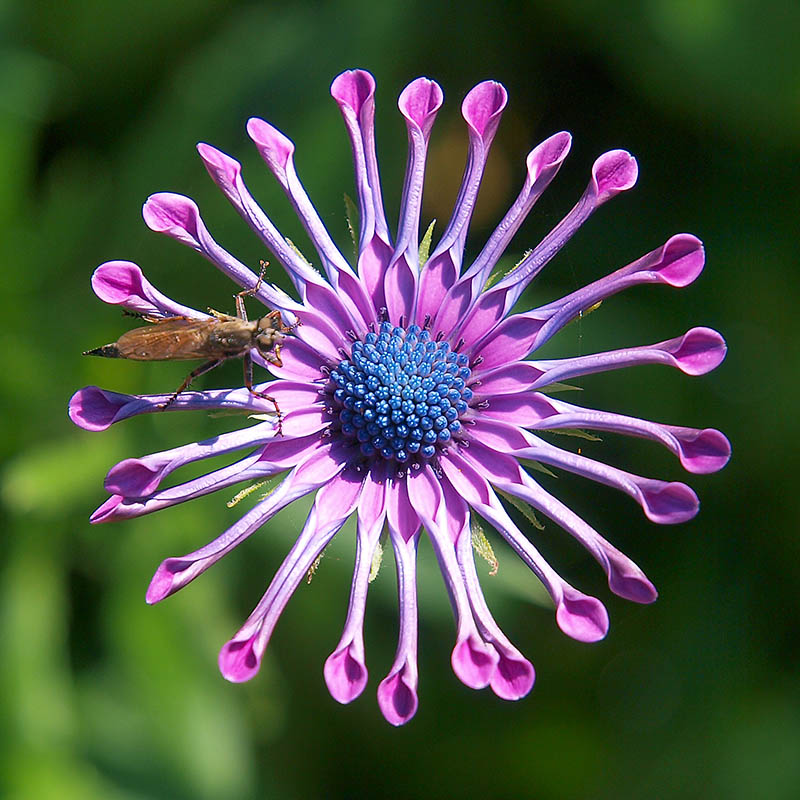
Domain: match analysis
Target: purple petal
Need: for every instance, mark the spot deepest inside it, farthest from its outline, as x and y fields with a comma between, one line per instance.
x=346, y=673
x=624, y=577
x=419, y=104
x=397, y=694
x=121, y=283
x=513, y=676
x=699, y=451
x=240, y=658
x=401, y=515
x=263, y=463
x=482, y=108
x=662, y=502
x=515, y=377
x=301, y=362
x=179, y=218
x=316, y=468
x=511, y=340
x=137, y=477
x=577, y=615
x=697, y=352
x=373, y=259
x=278, y=151
x=677, y=263
x=473, y=660
x=582, y=617
x=354, y=92
x=613, y=172
x=543, y=163
x=96, y=409
x=400, y=283
x=345, y=670
x=226, y=173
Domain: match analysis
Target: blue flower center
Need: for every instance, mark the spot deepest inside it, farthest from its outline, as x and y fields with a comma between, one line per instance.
x=400, y=394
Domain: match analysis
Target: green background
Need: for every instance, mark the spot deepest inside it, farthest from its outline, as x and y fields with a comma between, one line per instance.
x=103, y=697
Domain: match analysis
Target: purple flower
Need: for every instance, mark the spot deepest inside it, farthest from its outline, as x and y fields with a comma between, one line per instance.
x=408, y=396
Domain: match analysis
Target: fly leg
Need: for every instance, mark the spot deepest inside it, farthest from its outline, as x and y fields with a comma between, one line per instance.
x=248, y=382
x=241, y=311
x=195, y=373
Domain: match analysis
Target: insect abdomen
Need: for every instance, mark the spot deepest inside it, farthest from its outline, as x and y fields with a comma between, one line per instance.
x=106, y=351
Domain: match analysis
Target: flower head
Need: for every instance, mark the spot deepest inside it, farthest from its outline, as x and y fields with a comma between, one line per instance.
x=411, y=396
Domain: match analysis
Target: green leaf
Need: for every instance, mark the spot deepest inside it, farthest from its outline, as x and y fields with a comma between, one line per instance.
x=560, y=387
x=481, y=545
x=577, y=432
x=498, y=273
x=351, y=215
x=535, y=465
x=523, y=509
x=377, y=560
x=425, y=244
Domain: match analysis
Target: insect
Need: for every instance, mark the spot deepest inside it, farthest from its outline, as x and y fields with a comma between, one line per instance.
x=218, y=338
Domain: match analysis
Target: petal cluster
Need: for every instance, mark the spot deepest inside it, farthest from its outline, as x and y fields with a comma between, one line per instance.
x=411, y=394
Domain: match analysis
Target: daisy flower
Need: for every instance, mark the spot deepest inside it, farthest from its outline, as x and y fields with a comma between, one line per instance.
x=410, y=395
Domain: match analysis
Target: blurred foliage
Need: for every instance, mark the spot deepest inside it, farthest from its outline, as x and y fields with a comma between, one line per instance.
x=103, y=697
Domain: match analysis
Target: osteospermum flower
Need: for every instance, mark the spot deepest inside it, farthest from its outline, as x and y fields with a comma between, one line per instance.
x=410, y=396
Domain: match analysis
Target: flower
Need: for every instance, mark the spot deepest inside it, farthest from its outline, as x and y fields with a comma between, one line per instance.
x=409, y=396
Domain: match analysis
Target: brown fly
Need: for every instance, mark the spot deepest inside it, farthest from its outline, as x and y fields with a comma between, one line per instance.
x=218, y=338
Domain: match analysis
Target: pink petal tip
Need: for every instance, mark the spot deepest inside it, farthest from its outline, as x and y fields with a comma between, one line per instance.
x=582, y=617
x=513, y=678
x=345, y=675
x=397, y=699
x=238, y=661
x=474, y=662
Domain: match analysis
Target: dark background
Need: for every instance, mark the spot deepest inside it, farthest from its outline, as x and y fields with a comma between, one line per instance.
x=697, y=696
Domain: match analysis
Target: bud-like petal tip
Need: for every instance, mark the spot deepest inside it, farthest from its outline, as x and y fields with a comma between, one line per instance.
x=513, y=678
x=397, y=699
x=275, y=148
x=612, y=173
x=132, y=478
x=345, y=675
x=119, y=282
x=172, y=214
x=353, y=88
x=238, y=661
x=219, y=164
x=105, y=513
x=626, y=580
x=582, y=617
x=167, y=579
x=483, y=106
x=419, y=103
x=474, y=662
x=95, y=409
x=699, y=351
x=702, y=451
x=682, y=260
x=669, y=503
x=548, y=154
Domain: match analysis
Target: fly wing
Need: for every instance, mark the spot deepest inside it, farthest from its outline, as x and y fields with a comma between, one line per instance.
x=173, y=339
